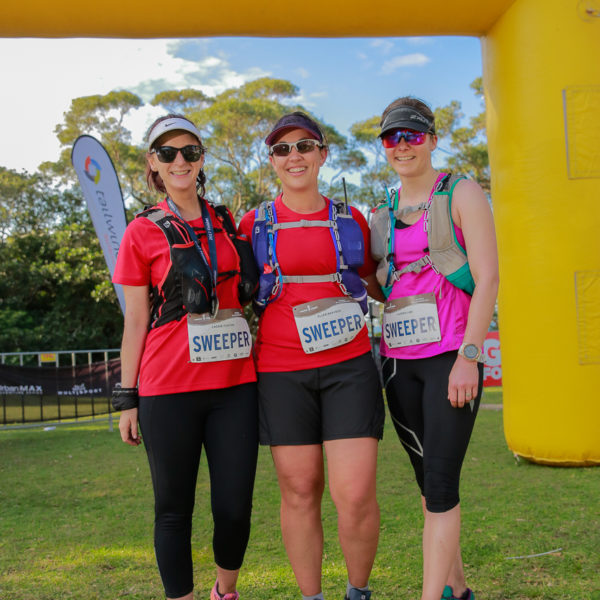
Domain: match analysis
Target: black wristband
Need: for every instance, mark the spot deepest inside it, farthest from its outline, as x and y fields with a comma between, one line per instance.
x=125, y=398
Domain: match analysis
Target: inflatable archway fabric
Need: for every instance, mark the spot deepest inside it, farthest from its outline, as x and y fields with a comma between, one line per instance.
x=542, y=87
x=542, y=81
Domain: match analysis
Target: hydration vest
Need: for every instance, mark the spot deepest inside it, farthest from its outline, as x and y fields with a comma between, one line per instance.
x=445, y=254
x=187, y=285
x=349, y=251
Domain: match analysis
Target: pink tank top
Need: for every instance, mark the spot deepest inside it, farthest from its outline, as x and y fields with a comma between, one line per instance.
x=452, y=303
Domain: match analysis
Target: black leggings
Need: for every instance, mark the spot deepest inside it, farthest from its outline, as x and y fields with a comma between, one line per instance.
x=434, y=434
x=174, y=428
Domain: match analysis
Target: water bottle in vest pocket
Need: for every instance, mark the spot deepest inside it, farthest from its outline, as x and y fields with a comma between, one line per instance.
x=266, y=285
x=195, y=280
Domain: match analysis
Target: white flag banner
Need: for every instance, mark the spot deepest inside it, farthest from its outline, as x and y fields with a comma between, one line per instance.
x=102, y=192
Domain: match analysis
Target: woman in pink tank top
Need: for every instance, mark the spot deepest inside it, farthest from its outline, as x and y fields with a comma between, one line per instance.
x=433, y=335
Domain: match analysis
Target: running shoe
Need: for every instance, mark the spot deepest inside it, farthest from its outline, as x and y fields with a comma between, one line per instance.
x=449, y=594
x=358, y=595
x=214, y=595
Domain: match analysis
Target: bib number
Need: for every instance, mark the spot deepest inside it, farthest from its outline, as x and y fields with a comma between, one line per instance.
x=225, y=336
x=411, y=320
x=328, y=323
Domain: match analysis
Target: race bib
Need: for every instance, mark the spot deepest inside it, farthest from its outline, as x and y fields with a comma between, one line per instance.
x=411, y=320
x=223, y=337
x=328, y=323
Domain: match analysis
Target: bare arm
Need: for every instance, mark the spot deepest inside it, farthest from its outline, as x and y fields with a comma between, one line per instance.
x=373, y=287
x=472, y=213
x=135, y=329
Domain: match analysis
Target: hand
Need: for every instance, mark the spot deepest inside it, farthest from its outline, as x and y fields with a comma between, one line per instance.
x=128, y=426
x=463, y=382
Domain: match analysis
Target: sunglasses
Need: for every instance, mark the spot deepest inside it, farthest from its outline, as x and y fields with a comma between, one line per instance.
x=392, y=138
x=302, y=146
x=167, y=154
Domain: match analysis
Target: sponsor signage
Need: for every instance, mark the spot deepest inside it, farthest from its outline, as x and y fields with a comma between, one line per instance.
x=492, y=364
x=102, y=193
x=48, y=357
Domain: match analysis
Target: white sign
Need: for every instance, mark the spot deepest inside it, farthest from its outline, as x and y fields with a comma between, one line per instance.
x=328, y=323
x=411, y=320
x=223, y=337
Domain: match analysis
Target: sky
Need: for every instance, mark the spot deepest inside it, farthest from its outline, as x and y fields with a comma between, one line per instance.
x=341, y=81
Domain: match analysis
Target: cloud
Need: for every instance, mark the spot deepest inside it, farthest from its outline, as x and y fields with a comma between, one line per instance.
x=405, y=60
x=418, y=41
x=303, y=100
x=385, y=45
x=44, y=75
x=302, y=72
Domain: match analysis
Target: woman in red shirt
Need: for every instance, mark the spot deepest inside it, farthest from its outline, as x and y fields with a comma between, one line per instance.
x=318, y=384
x=187, y=371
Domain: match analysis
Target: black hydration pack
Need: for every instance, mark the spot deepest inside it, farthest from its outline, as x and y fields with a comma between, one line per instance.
x=187, y=286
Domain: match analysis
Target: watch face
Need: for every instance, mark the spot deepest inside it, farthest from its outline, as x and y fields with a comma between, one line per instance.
x=471, y=351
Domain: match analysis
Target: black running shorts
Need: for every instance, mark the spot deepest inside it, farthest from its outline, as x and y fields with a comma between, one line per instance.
x=338, y=401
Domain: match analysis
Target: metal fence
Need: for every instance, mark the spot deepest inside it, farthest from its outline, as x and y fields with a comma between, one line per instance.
x=56, y=386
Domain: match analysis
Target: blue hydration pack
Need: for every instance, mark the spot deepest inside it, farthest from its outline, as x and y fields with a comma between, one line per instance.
x=349, y=251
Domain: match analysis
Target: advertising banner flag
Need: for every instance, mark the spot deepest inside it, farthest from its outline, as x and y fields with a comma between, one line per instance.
x=102, y=193
x=492, y=370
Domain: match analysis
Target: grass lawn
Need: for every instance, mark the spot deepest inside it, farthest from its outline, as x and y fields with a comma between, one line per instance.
x=76, y=522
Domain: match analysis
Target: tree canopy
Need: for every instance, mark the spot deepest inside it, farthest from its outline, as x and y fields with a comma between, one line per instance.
x=55, y=292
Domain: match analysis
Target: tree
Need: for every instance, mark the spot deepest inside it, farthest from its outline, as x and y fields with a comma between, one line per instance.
x=32, y=202
x=468, y=154
x=369, y=162
x=55, y=292
x=103, y=117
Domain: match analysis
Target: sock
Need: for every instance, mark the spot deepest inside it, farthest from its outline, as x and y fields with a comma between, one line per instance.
x=318, y=596
x=349, y=587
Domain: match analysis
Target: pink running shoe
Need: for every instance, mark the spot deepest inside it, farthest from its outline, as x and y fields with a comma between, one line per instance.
x=214, y=594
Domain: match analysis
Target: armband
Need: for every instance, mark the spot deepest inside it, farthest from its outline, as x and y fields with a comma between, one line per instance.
x=125, y=398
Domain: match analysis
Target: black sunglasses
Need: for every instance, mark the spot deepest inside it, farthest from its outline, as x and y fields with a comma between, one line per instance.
x=302, y=146
x=167, y=154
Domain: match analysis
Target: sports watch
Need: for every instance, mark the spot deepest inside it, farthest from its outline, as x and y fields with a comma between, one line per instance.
x=471, y=352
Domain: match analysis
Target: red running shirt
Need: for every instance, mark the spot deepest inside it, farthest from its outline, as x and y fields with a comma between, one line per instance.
x=303, y=251
x=144, y=259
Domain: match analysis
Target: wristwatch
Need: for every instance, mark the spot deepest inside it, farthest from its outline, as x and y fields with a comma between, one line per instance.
x=471, y=352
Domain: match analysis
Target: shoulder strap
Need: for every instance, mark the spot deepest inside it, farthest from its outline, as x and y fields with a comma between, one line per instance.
x=222, y=211
x=173, y=231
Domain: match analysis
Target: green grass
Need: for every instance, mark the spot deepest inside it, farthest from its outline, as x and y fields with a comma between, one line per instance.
x=76, y=522
x=492, y=395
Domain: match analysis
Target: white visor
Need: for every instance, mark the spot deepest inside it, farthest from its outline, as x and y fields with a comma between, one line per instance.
x=172, y=124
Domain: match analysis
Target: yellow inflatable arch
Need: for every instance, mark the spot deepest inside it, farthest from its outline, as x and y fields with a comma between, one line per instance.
x=542, y=86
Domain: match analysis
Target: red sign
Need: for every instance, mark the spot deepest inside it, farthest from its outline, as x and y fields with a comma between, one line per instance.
x=492, y=369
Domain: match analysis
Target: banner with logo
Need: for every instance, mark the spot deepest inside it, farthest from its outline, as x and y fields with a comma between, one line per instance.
x=492, y=369
x=102, y=192
x=30, y=394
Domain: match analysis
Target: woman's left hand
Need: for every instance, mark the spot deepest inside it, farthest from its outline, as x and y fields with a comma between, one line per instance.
x=463, y=383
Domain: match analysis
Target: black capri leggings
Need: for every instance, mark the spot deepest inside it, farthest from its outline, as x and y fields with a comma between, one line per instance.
x=434, y=434
x=174, y=429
